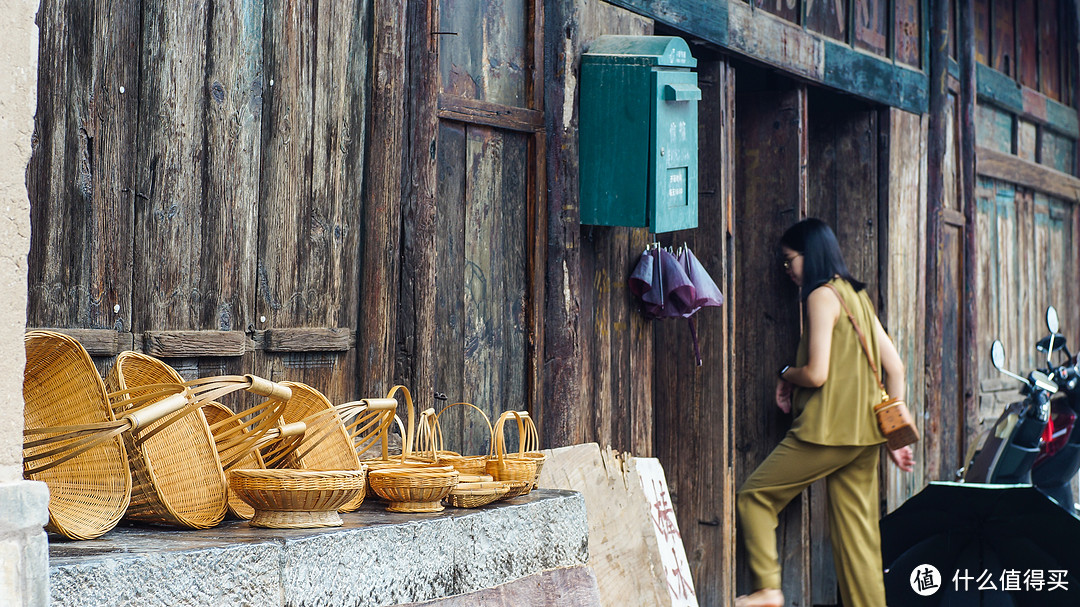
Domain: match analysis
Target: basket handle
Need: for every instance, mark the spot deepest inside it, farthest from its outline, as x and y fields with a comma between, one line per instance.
x=88, y=436
x=429, y=434
x=498, y=445
x=237, y=440
x=282, y=440
x=409, y=436
x=487, y=420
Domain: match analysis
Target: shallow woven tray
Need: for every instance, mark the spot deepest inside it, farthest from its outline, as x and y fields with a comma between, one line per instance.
x=297, y=499
x=412, y=489
x=474, y=495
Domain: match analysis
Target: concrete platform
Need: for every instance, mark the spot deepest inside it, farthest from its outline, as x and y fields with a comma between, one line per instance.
x=376, y=558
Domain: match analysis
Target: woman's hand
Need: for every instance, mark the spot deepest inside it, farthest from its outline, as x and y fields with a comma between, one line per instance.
x=904, y=458
x=784, y=389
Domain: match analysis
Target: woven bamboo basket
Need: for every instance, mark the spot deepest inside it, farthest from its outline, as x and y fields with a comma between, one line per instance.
x=73, y=442
x=297, y=499
x=326, y=444
x=523, y=465
x=430, y=432
x=413, y=489
x=276, y=446
x=474, y=495
x=178, y=475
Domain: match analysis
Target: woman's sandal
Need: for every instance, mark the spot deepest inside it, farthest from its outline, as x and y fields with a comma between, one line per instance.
x=766, y=597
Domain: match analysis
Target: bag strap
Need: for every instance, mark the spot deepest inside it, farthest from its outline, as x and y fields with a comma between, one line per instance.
x=862, y=339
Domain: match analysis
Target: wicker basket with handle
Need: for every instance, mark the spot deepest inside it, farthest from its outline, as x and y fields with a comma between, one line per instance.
x=177, y=474
x=523, y=465
x=430, y=431
x=74, y=442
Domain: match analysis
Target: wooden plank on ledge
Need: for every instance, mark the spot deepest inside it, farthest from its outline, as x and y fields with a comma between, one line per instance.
x=337, y=339
x=176, y=344
x=472, y=111
x=99, y=342
x=1006, y=167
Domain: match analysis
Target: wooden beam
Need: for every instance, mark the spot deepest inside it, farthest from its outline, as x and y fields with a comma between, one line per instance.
x=381, y=217
x=562, y=414
x=177, y=344
x=968, y=100
x=337, y=339
x=1006, y=93
x=764, y=37
x=99, y=342
x=452, y=107
x=1006, y=167
x=417, y=296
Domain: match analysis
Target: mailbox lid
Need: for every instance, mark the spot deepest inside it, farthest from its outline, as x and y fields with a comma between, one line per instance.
x=663, y=51
x=673, y=187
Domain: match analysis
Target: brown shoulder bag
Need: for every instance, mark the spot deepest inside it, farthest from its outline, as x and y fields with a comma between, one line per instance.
x=893, y=415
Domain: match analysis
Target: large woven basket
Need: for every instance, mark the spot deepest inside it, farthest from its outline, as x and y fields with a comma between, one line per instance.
x=294, y=499
x=178, y=476
x=90, y=492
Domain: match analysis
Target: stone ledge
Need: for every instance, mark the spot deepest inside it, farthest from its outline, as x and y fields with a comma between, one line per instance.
x=376, y=558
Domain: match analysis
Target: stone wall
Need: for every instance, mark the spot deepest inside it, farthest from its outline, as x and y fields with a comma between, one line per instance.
x=23, y=546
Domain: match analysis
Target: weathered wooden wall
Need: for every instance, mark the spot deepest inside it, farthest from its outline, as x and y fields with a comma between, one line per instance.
x=209, y=162
x=903, y=311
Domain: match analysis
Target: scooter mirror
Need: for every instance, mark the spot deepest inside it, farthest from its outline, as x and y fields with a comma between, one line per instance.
x=1052, y=322
x=997, y=355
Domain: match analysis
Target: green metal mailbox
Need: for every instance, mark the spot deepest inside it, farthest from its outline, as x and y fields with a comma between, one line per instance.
x=638, y=133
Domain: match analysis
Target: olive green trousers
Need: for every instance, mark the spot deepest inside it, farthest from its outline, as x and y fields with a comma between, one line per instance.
x=851, y=475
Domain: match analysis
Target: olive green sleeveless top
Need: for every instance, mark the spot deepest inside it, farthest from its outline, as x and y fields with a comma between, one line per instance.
x=840, y=412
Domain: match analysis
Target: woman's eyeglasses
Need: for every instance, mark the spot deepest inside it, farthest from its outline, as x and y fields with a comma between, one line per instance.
x=790, y=260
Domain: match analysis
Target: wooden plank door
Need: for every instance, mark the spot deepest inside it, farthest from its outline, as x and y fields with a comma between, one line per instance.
x=842, y=185
x=488, y=209
x=770, y=137
x=216, y=155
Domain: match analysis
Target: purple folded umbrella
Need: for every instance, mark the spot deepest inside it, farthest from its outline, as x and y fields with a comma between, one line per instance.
x=679, y=292
x=705, y=290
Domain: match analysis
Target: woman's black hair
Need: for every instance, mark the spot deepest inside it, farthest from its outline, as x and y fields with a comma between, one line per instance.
x=822, y=259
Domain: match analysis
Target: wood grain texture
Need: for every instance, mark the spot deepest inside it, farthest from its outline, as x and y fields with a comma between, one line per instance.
x=176, y=344
x=171, y=200
x=337, y=339
x=491, y=114
x=80, y=177
x=311, y=182
x=903, y=313
x=485, y=50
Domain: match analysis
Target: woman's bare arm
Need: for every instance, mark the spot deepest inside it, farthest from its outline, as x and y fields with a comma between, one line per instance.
x=822, y=310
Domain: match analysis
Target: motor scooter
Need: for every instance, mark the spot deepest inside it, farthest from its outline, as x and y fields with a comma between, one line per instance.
x=1007, y=452
x=1059, y=458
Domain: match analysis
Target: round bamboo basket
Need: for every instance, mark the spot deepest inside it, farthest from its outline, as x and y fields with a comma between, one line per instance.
x=88, y=493
x=297, y=499
x=474, y=495
x=326, y=444
x=178, y=470
x=412, y=489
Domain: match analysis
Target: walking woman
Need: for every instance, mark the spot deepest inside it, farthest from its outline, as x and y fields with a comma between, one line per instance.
x=834, y=435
